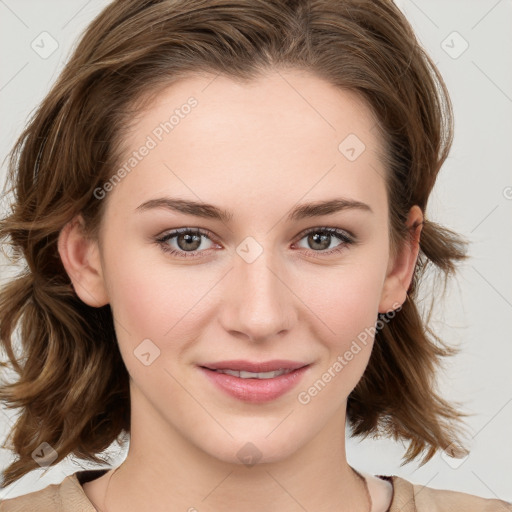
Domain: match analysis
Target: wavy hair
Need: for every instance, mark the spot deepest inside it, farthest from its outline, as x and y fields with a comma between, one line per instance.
x=72, y=387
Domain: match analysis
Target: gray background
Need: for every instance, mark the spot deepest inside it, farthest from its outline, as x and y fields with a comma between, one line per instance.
x=473, y=196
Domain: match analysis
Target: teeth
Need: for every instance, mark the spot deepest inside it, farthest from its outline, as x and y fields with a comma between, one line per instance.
x=250, y=375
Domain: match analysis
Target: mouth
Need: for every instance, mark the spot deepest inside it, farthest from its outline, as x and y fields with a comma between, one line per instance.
x=255, y=367
x=255, y=382
x=254, y=375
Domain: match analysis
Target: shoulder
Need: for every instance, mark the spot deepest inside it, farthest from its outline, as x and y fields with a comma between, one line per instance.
x=68, y=496
x=409, y=497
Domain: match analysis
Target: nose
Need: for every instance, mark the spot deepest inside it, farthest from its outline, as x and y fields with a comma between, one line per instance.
x=258, y=303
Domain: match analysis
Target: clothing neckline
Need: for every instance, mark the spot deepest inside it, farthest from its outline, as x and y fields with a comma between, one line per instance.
x=89, y=475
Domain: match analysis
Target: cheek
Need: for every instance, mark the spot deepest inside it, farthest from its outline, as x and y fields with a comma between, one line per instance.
x=345, y=299
x=155, y=299
x=157, y=312
x=344, y=303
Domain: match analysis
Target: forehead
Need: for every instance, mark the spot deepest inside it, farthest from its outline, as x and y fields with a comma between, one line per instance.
x=293, y=102
x=287, y=132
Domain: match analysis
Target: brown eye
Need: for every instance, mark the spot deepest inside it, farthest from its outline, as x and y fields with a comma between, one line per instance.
x=188, y=242
x=184, y=242
x=320, y=239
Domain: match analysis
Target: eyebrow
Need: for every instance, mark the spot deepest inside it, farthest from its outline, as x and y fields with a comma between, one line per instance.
x=205, y=210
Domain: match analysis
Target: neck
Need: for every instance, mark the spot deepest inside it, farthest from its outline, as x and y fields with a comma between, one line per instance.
x=165, y=471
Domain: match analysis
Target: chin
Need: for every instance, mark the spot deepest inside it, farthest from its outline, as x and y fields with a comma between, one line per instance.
x=247, y=450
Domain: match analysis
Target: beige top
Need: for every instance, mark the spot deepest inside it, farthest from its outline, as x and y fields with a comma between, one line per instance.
x=69, y=496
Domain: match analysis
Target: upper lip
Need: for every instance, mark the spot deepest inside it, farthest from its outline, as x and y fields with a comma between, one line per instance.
x=255, y=367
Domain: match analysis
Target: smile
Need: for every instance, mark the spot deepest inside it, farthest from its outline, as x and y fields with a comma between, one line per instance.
x=253, y=375
x=254, y=387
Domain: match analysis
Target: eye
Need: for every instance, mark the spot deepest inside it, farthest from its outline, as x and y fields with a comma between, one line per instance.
x=320, y=239
x=188, y=242
x=184, y=242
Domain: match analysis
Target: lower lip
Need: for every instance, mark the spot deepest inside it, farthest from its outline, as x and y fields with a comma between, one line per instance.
x=255, y=390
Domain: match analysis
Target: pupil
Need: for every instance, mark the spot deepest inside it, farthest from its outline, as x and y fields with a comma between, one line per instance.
x=320, y=239
x=189, y=239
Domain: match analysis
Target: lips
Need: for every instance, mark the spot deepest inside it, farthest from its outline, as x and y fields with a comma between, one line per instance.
x=255, y=367
x=255, y=382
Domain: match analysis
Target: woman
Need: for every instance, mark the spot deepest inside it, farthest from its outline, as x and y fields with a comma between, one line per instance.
x=222, y=209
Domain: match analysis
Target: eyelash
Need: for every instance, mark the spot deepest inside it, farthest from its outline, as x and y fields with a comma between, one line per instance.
x=346, y=239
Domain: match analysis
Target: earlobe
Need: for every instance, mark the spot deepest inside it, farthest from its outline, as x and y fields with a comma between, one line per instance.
x=81, y=259
x=401, y=270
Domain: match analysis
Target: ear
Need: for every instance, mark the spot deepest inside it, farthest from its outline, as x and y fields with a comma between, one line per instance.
x=81, y=259
x=401, y=267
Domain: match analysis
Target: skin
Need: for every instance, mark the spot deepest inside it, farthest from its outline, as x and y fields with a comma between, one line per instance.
x=257, y=150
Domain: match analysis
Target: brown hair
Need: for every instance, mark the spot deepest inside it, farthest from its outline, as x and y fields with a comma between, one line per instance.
x=73, y=386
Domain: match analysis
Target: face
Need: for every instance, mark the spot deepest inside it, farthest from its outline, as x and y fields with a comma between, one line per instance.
x=269, y=280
